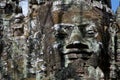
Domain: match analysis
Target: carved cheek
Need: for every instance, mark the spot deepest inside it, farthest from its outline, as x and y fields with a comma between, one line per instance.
x=98, y=37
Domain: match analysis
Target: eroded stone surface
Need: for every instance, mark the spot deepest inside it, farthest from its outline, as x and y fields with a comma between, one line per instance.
x=59, y=40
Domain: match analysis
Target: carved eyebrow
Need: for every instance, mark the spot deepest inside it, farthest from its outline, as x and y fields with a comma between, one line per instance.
x=65, y=25
x=62, y=25
x=83, y=25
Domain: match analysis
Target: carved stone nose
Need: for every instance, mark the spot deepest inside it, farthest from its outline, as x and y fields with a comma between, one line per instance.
x=76, y=40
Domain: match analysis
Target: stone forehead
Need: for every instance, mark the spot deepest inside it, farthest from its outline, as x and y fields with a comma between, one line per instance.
x=63, y=13
x=65, y=25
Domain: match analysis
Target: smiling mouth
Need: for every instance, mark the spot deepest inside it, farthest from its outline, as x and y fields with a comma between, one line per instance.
x=83, y=54
x=77, y=51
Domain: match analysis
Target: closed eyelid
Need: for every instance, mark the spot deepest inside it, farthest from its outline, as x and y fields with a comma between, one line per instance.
x=91, y=28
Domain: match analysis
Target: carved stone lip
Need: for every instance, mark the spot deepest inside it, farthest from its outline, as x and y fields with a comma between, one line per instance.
x=68, y=51
x=77, y=51
x=77, y=45
x=90, y=32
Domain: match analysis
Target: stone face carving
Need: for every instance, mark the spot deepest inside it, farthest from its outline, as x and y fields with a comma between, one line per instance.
x=80, y=45
x=79, y=40
x=18, y=26
x=59, y=40
x=19, y=17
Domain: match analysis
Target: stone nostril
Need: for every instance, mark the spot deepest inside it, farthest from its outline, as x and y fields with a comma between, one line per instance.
x=78, y=45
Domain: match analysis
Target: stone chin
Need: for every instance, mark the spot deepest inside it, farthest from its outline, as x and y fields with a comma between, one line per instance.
x=89, y=56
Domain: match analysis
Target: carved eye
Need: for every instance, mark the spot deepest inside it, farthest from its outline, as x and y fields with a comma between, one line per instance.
x=90, y=31
x=61, y=34
x=64, y=31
